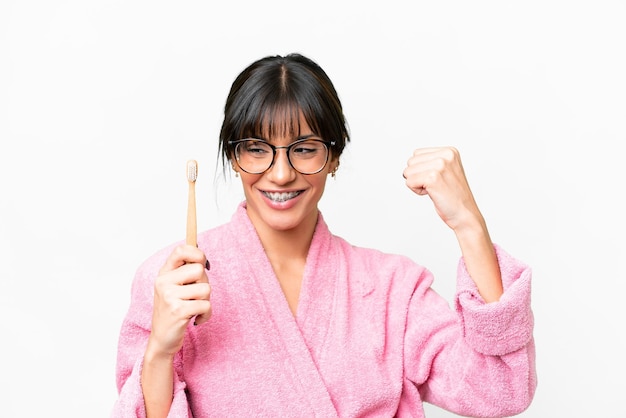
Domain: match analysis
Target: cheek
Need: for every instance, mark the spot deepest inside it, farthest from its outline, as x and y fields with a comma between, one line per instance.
x=319, y=183
x=248, y=180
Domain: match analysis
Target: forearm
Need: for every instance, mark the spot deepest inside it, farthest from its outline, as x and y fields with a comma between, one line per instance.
x=480, y=259
x=157, y=383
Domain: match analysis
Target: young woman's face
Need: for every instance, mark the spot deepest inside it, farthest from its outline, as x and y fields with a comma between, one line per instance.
x=281, y=198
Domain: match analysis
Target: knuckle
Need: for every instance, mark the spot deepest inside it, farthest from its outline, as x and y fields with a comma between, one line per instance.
x=177, y=309
x=434, y=175
x=168, y=293
x=450, y=154
x=178, y=253
x=196, y=269
x=208, y=308
x=205, y=290
x=160, y=284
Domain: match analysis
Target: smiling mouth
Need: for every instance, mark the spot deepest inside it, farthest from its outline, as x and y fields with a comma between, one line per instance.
x=281, y=196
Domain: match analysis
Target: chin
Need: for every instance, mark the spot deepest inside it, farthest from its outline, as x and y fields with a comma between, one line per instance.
x=284, y=222
x=287, y=220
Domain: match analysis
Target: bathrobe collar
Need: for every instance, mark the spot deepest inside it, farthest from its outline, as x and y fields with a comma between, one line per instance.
x=308, y=330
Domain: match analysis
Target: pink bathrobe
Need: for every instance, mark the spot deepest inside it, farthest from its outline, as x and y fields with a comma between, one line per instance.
x=370, y=338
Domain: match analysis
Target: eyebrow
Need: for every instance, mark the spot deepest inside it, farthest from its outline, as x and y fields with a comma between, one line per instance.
x=298, y=138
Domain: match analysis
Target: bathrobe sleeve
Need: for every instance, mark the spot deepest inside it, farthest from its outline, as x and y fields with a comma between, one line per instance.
x=132, y=343
x=478, y=359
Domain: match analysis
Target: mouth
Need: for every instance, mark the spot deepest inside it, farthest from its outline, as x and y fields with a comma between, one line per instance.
x=281, y=196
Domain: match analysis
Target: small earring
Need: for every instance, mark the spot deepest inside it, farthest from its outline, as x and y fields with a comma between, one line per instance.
x=334, y=172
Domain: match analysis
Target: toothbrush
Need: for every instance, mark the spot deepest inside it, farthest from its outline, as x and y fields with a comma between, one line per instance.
x=192, y=175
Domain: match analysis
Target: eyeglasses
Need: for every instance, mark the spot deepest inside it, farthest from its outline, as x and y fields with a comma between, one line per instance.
x=307, y=156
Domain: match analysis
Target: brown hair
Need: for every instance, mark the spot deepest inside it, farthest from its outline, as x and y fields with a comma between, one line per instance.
x=269, y=96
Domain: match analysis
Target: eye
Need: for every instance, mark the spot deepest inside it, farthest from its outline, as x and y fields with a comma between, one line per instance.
x=307, y=149
x=256, y=148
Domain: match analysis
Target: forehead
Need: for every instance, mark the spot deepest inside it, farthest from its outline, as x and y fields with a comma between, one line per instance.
x=281, y=123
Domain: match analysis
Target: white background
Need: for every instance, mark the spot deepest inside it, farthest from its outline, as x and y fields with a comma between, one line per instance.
x=103, y=102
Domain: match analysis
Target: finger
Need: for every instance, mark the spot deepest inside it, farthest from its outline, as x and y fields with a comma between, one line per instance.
x=202, y=318
x=194, y=291
x=184, y=310
x=183, y=275
x=205, y=315
x=198, y=300
x=442, y=151
x=419, y=177
x=444, y=155
x=190, y=273
x=184, y=254
x=423, y=155
x=428, y=166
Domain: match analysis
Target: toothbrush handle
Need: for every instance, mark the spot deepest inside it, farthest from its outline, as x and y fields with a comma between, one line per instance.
x=191, y=216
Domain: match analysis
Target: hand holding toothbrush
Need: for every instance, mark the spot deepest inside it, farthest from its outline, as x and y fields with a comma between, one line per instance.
x=182, y=289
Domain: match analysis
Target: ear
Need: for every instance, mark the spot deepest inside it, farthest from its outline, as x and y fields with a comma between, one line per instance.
x=234, y=165
x=333, y=166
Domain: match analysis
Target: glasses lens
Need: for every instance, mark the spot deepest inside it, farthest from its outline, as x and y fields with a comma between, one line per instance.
x=308, y=157
x=254, y=156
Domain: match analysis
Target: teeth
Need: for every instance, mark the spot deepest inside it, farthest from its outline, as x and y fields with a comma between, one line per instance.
x=281, y=197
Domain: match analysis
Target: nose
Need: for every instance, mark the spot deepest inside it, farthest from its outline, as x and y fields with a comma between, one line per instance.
x=281, y=172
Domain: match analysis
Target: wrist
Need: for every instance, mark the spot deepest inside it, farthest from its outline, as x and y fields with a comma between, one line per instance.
x=472, y=229
x=153, y=355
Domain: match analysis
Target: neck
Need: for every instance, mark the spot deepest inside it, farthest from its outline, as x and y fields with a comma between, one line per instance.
x=289, y=244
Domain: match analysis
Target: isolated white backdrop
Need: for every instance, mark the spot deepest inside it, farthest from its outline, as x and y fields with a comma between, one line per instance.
x=103, y=102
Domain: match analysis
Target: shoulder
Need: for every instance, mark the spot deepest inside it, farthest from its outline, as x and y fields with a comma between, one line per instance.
x=376, y=258
x=376, y=268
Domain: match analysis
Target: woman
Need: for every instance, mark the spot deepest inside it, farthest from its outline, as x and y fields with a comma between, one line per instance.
x=291, y=320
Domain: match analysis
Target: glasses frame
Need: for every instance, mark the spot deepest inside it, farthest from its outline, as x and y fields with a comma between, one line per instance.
x=287, y=148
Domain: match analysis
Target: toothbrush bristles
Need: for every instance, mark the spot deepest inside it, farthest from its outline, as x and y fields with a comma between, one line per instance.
x=192, y=170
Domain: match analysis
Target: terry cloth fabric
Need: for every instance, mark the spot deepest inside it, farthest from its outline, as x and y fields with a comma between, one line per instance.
x=370, y=337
